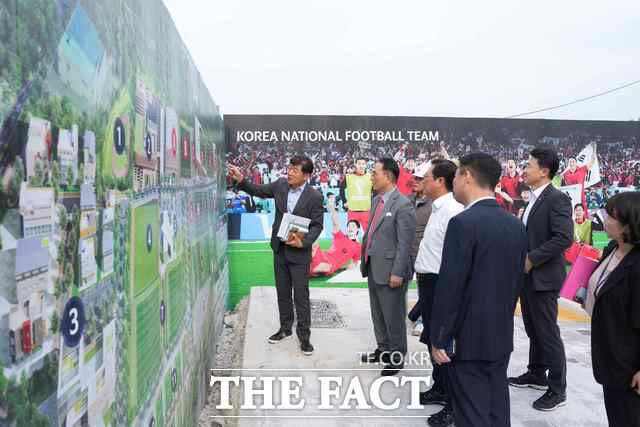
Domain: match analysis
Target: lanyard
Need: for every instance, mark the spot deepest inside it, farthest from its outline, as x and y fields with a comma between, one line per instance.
x=602, y=279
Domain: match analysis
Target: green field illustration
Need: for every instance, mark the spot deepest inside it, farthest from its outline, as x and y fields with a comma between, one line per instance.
x=144, y=253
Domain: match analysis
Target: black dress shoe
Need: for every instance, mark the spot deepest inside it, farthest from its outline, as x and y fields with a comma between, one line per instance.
x=550, y=401
x=433, y=396
x=280, y=336
x=530, y=380
x=444, y=418
x=373, y=357
x=306, y=347
x=391, y=369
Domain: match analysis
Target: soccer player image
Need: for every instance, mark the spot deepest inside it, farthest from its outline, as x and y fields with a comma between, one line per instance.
x=344, y=247
x=357, y=191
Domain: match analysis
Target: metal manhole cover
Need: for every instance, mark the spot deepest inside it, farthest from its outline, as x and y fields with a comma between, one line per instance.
x=325, y=314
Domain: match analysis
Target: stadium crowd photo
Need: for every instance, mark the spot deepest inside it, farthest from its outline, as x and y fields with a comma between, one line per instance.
x=482, y=227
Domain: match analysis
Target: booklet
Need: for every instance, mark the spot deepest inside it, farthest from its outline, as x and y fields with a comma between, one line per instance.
x=292, y=223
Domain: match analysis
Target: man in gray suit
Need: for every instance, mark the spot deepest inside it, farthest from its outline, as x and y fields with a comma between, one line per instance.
x=386, y=261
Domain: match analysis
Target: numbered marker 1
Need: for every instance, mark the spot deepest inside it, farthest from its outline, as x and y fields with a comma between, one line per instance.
x=119, y=136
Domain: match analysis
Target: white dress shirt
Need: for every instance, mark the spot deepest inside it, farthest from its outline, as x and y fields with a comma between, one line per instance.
x=535, y=195
x=430, y=253
x=294, y=196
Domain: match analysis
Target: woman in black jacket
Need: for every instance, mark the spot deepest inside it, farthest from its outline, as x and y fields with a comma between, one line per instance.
x=613, y=300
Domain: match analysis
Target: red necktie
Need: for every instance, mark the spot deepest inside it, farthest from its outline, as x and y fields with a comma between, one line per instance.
x=372, y=226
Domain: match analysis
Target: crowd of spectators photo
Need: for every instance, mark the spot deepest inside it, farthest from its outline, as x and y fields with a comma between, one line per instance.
x=618, y=161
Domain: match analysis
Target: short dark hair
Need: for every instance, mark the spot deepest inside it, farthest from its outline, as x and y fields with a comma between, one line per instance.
x=441, y=168
x=361, y=158
x=304, y=161
x=355, y=221
x=625, y=208
x=547, y=158
x=578, y=205
x=390, y=165
x=329, y=194
x=485, y=169
x=522, y=187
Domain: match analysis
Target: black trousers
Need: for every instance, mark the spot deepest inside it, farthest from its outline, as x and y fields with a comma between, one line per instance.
x=623, y=407
x=479, y=392
x=546, y=350
x=414, y=313
x=427, y=291
x=293, y=278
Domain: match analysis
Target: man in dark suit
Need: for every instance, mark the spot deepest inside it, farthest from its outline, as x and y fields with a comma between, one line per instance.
x=386, y=261
x=549, y=224
x=475, y=298
x=292, y=259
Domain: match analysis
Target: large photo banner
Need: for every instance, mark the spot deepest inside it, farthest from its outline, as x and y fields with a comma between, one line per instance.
x=113, y=271
x=598, y=159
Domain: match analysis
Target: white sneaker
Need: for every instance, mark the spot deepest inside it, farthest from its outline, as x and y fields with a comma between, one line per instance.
x=418, y=327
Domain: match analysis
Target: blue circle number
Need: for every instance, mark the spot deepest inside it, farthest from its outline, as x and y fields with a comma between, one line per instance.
x=149, y=238
x=119, y=136
x=73, y=322
x=148, y=147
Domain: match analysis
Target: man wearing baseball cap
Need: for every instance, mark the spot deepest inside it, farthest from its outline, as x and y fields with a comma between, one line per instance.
x=438, y=185
x=422, y=204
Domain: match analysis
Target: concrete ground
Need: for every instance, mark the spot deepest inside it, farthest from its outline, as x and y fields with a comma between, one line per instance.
x=337, y=354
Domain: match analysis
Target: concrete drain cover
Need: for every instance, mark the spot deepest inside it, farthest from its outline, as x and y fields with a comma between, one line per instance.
x=325, y=314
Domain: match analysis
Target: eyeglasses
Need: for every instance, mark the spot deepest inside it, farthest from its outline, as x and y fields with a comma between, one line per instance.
x=418, y=178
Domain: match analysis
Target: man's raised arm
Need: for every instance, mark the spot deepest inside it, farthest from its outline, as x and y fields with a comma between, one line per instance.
x=264, y=191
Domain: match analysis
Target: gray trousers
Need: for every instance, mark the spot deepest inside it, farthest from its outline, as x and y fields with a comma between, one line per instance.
x=388, y=312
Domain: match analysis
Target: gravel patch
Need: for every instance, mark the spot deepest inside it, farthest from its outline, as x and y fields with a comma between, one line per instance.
x=228, y=356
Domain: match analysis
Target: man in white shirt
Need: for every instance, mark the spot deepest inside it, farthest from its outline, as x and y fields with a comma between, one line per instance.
x=438, y=186
x=533, y=197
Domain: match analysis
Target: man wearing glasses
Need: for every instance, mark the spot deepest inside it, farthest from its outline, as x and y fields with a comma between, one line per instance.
x=291, y=259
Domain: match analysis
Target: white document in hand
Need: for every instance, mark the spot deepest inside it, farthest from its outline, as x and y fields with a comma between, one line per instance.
x=292, y=223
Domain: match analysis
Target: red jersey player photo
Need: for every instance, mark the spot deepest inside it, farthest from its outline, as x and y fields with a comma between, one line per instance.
x=509, y=183
x=344, y=247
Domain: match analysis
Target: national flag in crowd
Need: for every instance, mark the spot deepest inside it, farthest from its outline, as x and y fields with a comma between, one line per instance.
x=584, y=158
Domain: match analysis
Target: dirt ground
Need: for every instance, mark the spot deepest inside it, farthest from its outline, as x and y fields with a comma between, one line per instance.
x=228, y=355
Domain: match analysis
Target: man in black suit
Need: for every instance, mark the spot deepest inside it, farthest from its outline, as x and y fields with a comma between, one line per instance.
x=475, y=298
x=292, y=259
x=547, y=218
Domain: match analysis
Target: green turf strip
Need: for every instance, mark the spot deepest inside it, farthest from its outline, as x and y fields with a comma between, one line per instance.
x=251, y=264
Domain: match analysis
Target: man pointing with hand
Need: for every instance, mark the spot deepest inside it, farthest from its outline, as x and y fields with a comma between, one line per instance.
x=291, y=259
